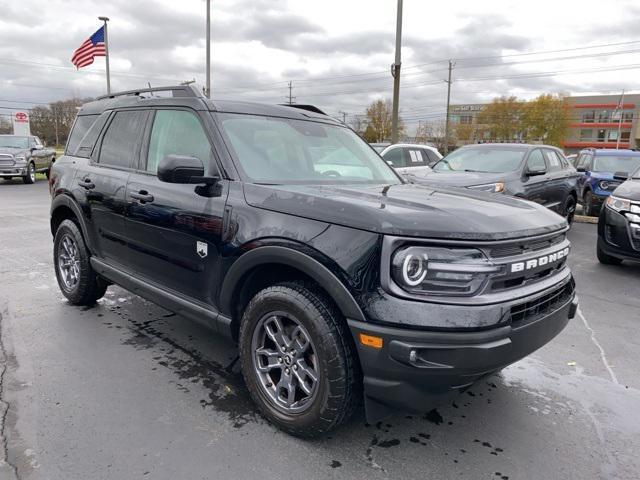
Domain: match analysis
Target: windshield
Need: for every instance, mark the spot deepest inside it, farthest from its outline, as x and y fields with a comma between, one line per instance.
x=281, y=150
x=614, y=163
x=12, y=141
x=489, y=160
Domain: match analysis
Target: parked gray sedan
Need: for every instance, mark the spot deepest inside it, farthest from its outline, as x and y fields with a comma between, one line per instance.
x=24, y=156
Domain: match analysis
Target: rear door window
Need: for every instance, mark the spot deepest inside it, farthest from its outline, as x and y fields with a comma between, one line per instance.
x=553, y=161
x=121, y=142
x=416, y=158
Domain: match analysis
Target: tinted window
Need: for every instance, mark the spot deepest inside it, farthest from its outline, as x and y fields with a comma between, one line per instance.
x=282, y=150
x=177, y=132
x=553, y=161
x=89, y=140
x=122, y=139
x=396, y=157
x=482, y=159
x=80, y=127
x=535, y=162
x=432, y=157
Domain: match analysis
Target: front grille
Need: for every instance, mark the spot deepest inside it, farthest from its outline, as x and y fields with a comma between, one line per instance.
x=526, y=312
x=525, y=247
x=6, y=160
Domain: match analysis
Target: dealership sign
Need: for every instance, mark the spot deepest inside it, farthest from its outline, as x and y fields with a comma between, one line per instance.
x=21, y=123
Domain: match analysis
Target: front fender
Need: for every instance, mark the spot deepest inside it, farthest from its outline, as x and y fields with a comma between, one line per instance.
x=293, y=258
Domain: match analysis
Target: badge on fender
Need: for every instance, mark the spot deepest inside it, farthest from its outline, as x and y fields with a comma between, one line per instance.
x=201, y=249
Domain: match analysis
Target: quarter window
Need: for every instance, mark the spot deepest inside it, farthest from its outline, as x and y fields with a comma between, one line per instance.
x=80, y=127
x=121, y=141
x=396, y=158
x=177, y=132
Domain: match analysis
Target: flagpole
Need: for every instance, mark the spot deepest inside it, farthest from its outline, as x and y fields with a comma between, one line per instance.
x=207, y=88
x=106, y=52
x=620, y=119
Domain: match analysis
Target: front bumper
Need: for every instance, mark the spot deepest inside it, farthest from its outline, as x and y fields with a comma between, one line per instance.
x=13, y=171
x=617, y=236
x=417, y=370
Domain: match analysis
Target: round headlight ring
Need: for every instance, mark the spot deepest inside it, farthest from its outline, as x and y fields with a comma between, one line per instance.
x=414, y=269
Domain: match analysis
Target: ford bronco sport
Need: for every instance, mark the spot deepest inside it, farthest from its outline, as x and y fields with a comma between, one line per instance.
x=282, y=229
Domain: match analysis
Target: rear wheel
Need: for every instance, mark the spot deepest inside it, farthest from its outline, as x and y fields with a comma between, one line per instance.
x=607, y=259
x=30, y=177
x=297, y=359
x=76, y=279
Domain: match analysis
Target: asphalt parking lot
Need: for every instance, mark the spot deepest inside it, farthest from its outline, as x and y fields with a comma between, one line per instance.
x=128, y=390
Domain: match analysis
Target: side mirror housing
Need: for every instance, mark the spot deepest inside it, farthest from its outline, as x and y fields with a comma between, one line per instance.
x=535, y=173
x=181, y=169
x=581, y=169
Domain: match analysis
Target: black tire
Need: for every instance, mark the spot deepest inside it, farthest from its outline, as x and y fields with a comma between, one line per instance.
x=338, y=386
x=570, y=208
x=589, y=208
x=30, y=177
x=607, y=259
x=88, y=287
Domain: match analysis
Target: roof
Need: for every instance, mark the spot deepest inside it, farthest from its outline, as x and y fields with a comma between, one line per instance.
x=410, y=145
x=191, y=97
x=619, y=153
x=507, y=145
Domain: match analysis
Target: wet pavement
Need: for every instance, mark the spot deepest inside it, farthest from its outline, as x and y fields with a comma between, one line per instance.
x=128, y=390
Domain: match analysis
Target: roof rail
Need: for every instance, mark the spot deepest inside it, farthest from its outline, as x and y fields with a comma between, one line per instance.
x=176, y=90
x=308, y=108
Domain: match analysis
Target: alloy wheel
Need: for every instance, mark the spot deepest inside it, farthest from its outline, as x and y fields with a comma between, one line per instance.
x=69, y=262
x=285, y=362
x=32, y=172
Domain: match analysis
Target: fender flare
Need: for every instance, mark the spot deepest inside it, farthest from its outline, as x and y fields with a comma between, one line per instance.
x=63, y=200
x=293, y=258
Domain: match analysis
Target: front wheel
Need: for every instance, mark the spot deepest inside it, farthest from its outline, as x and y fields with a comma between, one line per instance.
x=570, y=209
x=297, y=359
x=30, y=177
x=76, y=279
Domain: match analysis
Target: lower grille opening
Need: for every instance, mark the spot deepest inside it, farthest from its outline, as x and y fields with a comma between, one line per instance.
x=526, y=312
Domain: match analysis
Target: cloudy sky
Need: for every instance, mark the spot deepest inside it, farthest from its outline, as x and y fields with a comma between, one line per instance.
x=337, y=53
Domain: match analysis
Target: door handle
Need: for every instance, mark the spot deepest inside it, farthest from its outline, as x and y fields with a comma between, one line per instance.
x=86, y=183
x=142, y=196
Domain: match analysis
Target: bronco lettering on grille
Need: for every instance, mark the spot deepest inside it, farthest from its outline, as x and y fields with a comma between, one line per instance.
x=540, y=261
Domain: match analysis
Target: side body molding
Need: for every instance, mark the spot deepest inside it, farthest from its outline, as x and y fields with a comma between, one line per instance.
x=293, y=258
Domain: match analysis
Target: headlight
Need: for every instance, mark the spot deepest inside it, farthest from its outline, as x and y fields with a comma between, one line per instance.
x=497, y=187
x=604, y=185
x=20, y=158
x=618, y=204
x=441, y=270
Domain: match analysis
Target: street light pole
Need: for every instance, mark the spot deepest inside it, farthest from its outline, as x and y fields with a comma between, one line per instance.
x=395, y=72
x=207, y=88
x=106, y=52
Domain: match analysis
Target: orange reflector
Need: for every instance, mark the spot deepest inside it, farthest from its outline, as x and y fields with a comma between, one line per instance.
x=370, y=341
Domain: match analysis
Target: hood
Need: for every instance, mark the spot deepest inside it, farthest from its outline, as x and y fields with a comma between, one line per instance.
x=464, y=179
x=629, y=190
x=410, y=210
x=13, y=150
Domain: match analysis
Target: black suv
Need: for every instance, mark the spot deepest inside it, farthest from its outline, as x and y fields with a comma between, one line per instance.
x=282, y=229
x=539, y=173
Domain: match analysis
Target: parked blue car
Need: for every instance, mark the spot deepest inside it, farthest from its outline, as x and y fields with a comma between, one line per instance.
x=602, y=170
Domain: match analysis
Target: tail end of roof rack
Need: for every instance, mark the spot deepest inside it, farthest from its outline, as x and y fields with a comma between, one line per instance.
x=176, y=91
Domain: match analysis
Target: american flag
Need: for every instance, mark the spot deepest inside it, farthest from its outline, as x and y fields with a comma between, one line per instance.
x=90, y=48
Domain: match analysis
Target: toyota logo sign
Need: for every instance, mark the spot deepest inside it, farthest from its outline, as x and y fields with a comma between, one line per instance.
x=21, y=117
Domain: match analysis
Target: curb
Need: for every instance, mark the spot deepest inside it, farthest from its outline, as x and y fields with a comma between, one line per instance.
x=585, y=219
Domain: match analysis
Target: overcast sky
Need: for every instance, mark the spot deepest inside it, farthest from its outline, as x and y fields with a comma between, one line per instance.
x=336, y=52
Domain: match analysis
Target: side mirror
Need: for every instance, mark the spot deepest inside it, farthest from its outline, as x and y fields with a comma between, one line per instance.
x=181, y=169
x=535, y=173
x=581, y=169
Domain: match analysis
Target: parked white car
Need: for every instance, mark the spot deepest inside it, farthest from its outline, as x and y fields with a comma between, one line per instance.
x=411, y=159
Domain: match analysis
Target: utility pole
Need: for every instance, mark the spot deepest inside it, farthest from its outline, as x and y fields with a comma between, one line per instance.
x=207, y=88
x=621, y=112
x=446, y=123
x=291, y=98
x=106, y=53
x=395, y=72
